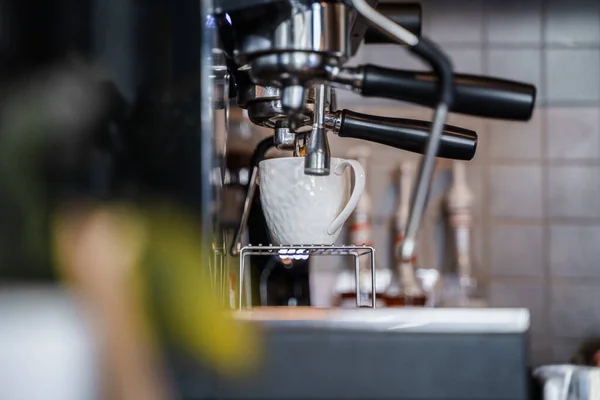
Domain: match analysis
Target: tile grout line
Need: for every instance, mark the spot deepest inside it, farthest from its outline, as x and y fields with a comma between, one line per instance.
x=486, y=169
x=546, y=240
x=598, y=110
x=565, y=162
x=561, y=221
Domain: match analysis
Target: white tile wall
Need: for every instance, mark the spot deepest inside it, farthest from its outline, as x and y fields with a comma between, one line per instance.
x=574, y=252
x=572, y=22
x=395, y=57
x=572, y=75
x=575, y=311
x=573, y=133
x=458, y=21
x=514, y=22
x=466, y=61
x=517, y=251
x=522, y=294
x=517, y=141
x=564, y=349
x=574, y=191
x=524, y=183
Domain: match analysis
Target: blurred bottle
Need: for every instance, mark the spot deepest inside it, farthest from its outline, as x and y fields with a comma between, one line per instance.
x=459, y=288
x=404, y=289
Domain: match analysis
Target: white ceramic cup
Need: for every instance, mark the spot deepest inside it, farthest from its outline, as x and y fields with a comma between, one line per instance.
x=302, y=209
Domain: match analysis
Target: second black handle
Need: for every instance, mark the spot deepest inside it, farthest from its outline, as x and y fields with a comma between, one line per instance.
x=408, y=134
x=473, y=95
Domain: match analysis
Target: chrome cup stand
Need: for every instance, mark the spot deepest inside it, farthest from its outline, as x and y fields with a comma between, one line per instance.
x=287, y=251
x=303, y=252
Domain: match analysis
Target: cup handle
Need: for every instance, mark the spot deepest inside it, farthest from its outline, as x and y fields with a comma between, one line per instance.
x=359, y=187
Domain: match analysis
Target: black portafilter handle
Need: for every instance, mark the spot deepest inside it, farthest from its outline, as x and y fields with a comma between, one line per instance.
x=406, y=134
x=473, y=95
x=407, y=15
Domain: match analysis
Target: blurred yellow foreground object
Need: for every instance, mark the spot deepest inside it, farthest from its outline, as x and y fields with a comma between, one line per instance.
x=141, y=269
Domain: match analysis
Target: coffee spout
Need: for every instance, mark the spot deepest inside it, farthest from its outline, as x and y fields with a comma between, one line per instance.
x=318, y=157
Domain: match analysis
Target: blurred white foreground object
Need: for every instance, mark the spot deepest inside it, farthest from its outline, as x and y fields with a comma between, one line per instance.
x=46, y=350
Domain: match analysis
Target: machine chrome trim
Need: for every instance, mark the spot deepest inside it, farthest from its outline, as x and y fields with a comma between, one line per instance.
x=442, y=320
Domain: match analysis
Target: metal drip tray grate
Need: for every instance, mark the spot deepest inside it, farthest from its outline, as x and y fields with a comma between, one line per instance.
x=301, y=252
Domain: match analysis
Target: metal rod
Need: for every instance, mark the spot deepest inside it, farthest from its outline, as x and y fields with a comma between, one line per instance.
x=248, y=285
x=357, y=279
x=217, y=272
x=341, y=253
x=220, y=280
x=252, y=184
x=211, y=269
x=373, y=281
x=264, y=280
x=240, y=279
x=426, y=168
x=308, y=247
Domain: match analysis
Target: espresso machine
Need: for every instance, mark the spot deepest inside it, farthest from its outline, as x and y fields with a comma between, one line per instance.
x=164, y=122
x=283, y=62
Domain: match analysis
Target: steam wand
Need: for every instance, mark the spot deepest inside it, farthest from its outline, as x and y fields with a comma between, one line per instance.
x=442, y=66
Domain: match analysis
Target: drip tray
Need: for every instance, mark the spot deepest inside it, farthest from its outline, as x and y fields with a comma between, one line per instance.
x=408, y=354
x=442, y=320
